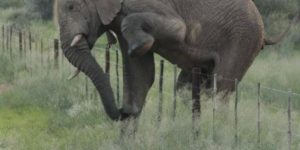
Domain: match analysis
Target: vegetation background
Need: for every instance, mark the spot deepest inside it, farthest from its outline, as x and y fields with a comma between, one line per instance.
x=42, y=110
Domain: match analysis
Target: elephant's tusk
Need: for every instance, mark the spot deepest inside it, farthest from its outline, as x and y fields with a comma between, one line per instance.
x=75, y=74
x=76, y=39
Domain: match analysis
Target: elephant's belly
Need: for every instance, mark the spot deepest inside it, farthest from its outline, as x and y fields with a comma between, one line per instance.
x=182, y=60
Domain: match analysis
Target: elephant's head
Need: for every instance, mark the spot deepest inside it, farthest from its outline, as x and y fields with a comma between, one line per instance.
x=81, y=22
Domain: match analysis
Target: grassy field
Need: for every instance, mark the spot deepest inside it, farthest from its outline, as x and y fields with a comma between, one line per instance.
x=41, y=109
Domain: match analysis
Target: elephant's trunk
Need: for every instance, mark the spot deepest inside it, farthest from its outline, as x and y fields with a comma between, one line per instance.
x=81, y=57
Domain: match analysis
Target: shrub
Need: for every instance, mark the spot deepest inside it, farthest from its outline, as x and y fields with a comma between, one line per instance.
x=10, y=3
x=40, y=9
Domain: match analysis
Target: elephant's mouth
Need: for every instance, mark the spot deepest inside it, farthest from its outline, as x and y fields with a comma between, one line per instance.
x=81, y=36
x=76, y=39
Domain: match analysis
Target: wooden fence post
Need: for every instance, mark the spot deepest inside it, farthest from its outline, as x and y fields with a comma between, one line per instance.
x=117, y=74
x=42, y=48
x=62, y=61
x=30, y=41
x=107, y=59
x=10, y=42
x=160, y=88
x=236, y=111
x=20, y=44
x=196, y=110
x=30, y=50
x=7, y=38
x=3, y=38
x=258, y=114
x=174, y=94
x=86, y=87
x=24, y=48
x=290, y=120
x=48, y=58
x=56, y=53
x=25, y=45
x=214, y=95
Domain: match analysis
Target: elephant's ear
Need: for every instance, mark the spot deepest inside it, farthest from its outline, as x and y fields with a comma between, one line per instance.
x=107, y=9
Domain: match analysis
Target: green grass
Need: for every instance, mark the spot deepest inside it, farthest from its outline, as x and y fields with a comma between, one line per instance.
x=45, y=111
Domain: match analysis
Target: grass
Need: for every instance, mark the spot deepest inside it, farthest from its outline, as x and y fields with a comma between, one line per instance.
x=43, y=110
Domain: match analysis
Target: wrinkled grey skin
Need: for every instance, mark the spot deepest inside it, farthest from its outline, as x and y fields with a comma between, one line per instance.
x=219, y=36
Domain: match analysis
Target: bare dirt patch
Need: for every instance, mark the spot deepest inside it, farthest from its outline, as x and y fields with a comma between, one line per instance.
x=4, y=88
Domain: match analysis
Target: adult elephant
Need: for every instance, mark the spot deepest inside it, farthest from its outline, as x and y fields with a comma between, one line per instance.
x=218, y=36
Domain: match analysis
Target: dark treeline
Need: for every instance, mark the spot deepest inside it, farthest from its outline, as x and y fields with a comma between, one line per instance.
x=30, y=9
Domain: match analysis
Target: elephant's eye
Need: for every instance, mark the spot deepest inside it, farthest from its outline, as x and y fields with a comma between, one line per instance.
x=71, y=7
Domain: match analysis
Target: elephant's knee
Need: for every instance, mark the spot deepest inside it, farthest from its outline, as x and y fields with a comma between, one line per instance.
x=194, y=30
x=177, y=28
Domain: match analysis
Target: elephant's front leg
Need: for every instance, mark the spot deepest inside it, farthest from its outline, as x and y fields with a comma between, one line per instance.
x=142, y=29
x=138, y=75
x=138, y=79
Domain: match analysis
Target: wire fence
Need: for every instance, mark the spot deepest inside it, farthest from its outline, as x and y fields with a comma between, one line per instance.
x=28, y=46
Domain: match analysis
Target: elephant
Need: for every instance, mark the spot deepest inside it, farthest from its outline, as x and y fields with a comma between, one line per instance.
x=218, y=36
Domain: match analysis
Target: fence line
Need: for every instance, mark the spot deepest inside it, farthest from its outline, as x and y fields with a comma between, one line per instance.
x=25, y=43
x=232, y=80
x=236, y=112
x=243, y=82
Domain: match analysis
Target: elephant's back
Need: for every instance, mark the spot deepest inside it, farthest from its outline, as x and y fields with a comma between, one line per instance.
x=219, y=18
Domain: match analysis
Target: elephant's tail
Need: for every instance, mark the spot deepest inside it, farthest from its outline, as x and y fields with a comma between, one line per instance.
x=280, y=37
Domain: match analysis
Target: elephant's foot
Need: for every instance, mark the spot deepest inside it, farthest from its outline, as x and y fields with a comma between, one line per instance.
x=124, y=115
x=141, y=46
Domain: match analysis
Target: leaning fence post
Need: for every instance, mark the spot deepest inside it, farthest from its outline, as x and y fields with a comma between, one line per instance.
x=107, y=59
x=20, y=44
x=7, y=38
x=160, y=88
x=30, y=50
x=117, y=74
x=48, y=59
x=3, y=38
x=30, y=41
x=42, y=48
x=236, y=111
x=174, y=93
x=24, y=40
x=258, y=114
x=290, y=120
x=196, y=110
x=10, y=41
x=86, y=87
x=214, y=94
x=56, y=53
x=24, y=48
x=62, y=61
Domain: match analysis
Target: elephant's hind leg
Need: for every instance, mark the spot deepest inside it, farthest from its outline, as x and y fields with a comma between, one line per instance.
x=142, y=29
x=184, y=80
